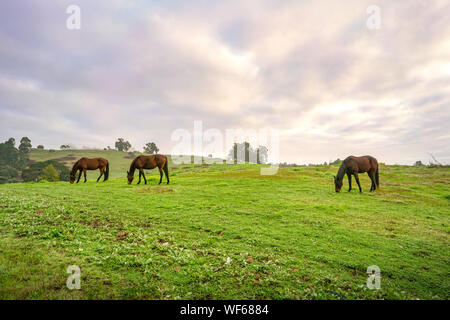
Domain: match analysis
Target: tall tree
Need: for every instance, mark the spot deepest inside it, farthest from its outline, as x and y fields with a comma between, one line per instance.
x=25, y=144
x=11, y=142
x=245, y=152
x=9, y=155
x=151, y=148
x=262, y=155
x=122, y=145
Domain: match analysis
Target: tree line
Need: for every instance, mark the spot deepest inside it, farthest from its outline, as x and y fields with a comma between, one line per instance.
x=15, y=165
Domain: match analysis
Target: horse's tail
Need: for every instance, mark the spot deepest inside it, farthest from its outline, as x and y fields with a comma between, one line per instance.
x=377, y=178
x=166, y=170
x=107, y=171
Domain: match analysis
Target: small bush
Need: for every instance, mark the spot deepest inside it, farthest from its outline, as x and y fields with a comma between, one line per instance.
x=35, y=170
x=49, y=173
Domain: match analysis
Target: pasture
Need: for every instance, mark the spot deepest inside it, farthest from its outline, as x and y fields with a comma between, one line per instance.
x=226, y=232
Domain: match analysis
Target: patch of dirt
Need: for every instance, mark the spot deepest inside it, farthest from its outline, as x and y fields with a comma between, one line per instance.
x=121, y=236
x=66, y=159
x=130, y=155
x=164, y=242
x=94, y=224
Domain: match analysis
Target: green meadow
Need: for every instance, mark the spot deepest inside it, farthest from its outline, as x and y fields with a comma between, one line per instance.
x=226, y=232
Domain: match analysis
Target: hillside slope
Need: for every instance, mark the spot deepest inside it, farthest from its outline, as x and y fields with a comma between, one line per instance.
x=119, y=161
x=226, y=232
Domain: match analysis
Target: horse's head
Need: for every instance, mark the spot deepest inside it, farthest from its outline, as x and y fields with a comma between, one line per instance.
x=337, y=184
x=130, y=177
x=72, y=177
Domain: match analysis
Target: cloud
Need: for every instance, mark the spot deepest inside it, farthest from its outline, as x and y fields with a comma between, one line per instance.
x=312, y=70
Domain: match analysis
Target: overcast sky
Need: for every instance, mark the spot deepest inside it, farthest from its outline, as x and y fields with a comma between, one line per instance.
x=313, y=70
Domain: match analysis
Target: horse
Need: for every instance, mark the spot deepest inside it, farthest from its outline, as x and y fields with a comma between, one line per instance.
x=354, y=165
x=148, y=162
x=85, y=164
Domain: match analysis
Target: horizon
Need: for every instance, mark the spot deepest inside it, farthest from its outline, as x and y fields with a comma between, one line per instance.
x=318, y=73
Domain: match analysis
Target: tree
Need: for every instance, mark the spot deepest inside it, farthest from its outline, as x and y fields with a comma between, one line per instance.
x=8, y=174
x=40, y=147
x=262, y=155
x=122, y=145
x=35, y=170
x=419, y=164
x=49, y=173
x=151, y=148
x=25, y=145
x=335, y=162
x=65, y=146
x=9, y=155
x=11, y=142
x=245, y=152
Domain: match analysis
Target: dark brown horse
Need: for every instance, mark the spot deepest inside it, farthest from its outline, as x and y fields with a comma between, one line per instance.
x=85, y=164
x=354, y=165
x=148, y=162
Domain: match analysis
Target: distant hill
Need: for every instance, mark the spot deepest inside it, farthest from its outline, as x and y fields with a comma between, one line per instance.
x=119, y=161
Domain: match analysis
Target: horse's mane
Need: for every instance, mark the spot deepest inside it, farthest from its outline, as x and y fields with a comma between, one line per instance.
x=341, y=171
x=74, y=168
x=133, y=165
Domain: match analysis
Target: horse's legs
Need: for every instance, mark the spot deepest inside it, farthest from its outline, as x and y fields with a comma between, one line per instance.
x=140, y=175
x=160, y=175
x=141, y=172
x=143, y=175
x=85, y=178
x=357, y=181
x=166, y=171
x=349, y=176
x=79, y=176
x=101, y=173
x=371, y=175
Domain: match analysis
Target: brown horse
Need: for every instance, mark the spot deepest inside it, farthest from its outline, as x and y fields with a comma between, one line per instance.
x=85, y=164
x=148, y=162
x=354, y=165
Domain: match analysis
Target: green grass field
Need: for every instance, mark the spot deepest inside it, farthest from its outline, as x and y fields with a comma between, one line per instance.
x=288, y=236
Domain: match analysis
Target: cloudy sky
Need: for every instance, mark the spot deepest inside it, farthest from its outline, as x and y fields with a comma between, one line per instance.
x=312, y=70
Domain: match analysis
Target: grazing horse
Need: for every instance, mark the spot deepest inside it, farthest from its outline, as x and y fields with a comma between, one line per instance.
x=354, y=165
x=85, y=164
x=148, y=162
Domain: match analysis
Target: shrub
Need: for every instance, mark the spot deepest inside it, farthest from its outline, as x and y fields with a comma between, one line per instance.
x=50, y=174
x=35, y=170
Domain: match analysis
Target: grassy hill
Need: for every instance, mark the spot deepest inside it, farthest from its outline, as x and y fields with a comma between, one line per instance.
x=119, y=161
x=225, y=231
